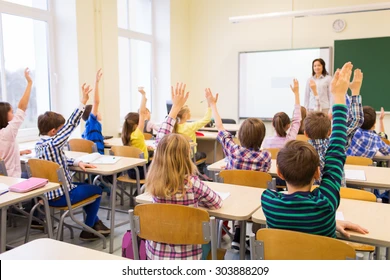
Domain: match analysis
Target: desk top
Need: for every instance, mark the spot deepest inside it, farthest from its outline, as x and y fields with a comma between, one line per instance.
x=49, y=249
x=377, y=177
x=371, y=215
x=227, y=126
x=11, y=198
x=239, y=206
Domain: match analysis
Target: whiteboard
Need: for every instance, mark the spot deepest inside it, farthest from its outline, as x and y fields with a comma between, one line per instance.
x=265, y=78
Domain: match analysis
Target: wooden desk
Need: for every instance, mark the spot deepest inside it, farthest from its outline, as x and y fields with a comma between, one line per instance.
x=11, y=198
x=49, y=249
x=376, y=177
x=118, y=142
x=371, y=215
x=239, y=206
x=228, y=126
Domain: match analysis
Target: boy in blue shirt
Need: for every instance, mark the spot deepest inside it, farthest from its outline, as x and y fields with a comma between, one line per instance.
x=93, y=127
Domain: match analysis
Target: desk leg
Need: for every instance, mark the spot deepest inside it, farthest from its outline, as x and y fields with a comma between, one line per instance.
x=3, y=233
x=48, y=218
x=112, y=227
x=242, y=240
x=215, y=150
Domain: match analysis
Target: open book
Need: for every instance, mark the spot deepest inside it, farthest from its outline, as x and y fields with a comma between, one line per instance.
x=96, y=158
x=3, y=188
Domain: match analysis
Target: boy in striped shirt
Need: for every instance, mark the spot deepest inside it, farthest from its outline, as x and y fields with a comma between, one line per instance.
x=302, y=209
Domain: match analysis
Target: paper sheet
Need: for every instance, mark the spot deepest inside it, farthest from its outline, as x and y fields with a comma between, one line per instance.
x=339, y=216
x=3, y=188
x=223, y=195
x=97, y=158
x=359, y=175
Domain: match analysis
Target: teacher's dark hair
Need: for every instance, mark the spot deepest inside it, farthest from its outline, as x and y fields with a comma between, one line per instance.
x=320, y=60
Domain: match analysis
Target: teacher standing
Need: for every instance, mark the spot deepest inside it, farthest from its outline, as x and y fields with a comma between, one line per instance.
x=318, y=88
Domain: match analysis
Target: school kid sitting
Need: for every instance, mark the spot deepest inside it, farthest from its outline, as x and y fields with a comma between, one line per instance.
x=172, y=178
x=92, y=117
x=132, y=132
x=281, y=123
x=9, y=127
x=298, y=163
x=55, y=132
x=318, y=125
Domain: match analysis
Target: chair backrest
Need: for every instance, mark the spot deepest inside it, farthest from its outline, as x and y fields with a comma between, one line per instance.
x=82, y=145
x=274, y=152
x=127, y=151
x=358, y=161
x=276, y=244
x=230, y=121
x=3, y=168
x=302, y=137
x=386, y=141
x=249, y=178
x=148, y=136
x=356, y=194
x=43, y=169
x=172, y=224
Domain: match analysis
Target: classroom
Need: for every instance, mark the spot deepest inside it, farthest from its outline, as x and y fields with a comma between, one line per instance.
x=202, y=129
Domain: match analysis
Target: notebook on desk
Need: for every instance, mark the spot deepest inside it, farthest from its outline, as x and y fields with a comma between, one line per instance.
x=96, y=158
x=3, y=188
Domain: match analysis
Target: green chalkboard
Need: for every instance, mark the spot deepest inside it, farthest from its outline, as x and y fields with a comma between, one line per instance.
x=372, y=55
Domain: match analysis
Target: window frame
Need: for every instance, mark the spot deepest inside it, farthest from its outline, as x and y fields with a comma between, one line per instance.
x=144, y=37
x=29, y=134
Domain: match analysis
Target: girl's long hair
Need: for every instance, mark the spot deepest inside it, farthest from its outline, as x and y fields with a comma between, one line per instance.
x=131, y=120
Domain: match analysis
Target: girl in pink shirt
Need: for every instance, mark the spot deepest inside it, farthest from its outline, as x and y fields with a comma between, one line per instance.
x=281, y=123
x=9, y=127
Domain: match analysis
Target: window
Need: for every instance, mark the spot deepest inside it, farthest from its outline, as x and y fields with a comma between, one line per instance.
x=24, y=42
x=135, y=51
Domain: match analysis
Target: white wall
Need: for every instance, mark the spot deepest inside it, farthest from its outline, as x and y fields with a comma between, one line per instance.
x=210, y=43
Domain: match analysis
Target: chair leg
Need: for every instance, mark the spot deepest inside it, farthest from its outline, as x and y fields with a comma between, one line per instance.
x=60, y=235
x=219, y=232
x=30, y=217
x=123, y=186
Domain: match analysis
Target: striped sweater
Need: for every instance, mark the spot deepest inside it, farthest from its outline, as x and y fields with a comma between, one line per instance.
x=313, y=212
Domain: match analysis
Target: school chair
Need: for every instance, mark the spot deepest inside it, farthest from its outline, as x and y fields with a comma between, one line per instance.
x=353, y=160
x=3, y=168
x=172, y=224
x=148, y=136
x=131, y=152
x=387, y=142
x=249, y=178
x=355, y=194
x=276, y=244
x=54, y=173
x=302, y=137
x=82, y=145
x=274, y=152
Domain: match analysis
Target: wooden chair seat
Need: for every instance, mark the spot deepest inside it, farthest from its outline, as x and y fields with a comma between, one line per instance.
x=302, y=137
x=220, y=254
x=249, y=178
x=358, y=161
x=127, y=179
x=82, y=145
x=198, y=162
x=360, y=247
x=274, y=152
x=148, y=136
x=78, y=204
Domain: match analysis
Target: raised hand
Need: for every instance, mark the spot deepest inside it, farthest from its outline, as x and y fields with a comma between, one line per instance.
x=27, y=75
x=179, y=96
x=86, y=90
x=356, y=84
x=211, y=99
x=313, y=87
x=295, y=87
x=99, y=75
x=382, y=114
x=340, y=82
x=141, y=90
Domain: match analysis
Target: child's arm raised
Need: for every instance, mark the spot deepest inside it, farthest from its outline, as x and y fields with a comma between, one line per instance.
x=297, y=117
x=381, y=121
x=356, y=118
x=179, y=98
x=212, y=101
x=23, y=103
x=313, y=86
x=96, y=100
x=142, y=109
x=335, y=154
x=64, y=133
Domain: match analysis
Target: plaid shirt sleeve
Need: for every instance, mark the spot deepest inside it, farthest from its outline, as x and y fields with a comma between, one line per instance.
x=383, y=148
x=206, y=197
x=355, y=117
x=295, y=124
x=60, y=139
x=225, y=138
x=166, y=128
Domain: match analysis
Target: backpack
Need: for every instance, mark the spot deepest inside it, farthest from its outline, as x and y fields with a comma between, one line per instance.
x=127, y=247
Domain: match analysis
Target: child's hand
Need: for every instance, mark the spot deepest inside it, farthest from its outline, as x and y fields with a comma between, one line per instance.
x=25, y=152
x=84, y=166
x=356, y=84
x=99, y=75
x=382, y=114
x=342, y=226
x=340, y=83
x=211, y=99
x=150, y=148
x=27, y=75
x=141, y=90
x=179, y=97
x=313, y=87
x=295, y=87
x=86, y=91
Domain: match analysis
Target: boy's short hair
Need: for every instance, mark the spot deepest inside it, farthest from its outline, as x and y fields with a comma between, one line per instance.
x=369, y=117
x=298, y=162
x=48, y=121
x=87, y=112
x=317, y=125
x=251, y=133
